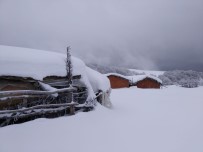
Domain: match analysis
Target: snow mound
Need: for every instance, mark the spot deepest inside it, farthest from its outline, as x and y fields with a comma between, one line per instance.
x=98, y=80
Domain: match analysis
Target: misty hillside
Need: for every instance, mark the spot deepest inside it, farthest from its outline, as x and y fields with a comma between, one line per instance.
x=188, y=79
x=184, y=78
x=112, y=69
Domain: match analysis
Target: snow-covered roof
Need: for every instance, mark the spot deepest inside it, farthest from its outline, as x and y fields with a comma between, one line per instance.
x=117, y=75
x=137, y=78
x=38, y=64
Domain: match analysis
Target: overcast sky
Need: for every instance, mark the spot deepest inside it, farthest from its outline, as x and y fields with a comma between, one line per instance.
x=147, y=34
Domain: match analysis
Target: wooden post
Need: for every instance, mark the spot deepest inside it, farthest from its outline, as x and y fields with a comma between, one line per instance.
x=72, y=109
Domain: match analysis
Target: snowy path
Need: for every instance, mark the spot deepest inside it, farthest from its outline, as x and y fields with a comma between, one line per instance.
x=167, y=120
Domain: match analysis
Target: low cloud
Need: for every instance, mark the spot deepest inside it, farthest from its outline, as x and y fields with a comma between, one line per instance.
x=146, y=34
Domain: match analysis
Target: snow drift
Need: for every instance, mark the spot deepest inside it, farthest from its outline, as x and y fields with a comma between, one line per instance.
x=164, y=120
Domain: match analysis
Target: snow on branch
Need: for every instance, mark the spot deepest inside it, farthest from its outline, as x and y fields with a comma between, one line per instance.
x=39, y=107
x=47, y=87
x=35, y=92
x=21, y=97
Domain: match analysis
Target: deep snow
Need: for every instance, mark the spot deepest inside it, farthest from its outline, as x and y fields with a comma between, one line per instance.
x=166, y=120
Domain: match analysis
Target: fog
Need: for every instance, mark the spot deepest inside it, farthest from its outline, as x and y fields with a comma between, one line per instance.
x=144, y=34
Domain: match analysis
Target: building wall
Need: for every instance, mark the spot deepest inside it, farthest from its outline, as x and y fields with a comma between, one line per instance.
x=117, y=82
x=11, y=84
x=148, y=83
x=13, y=87
x=7, y=84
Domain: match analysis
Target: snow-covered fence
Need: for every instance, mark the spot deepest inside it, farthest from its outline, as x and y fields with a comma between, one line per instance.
x=54, y=110
x=36, y=104
x=7, y=94
x=53, y=75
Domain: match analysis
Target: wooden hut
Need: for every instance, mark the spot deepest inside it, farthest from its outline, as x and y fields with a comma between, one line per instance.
x=38, y=84
x=146, y=82
x=118, y=81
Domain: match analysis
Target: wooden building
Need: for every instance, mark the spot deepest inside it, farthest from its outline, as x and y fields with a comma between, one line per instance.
x=38, y=84
x=8, y=83
x=23, y=99
x=146, y=82
x=118, y=81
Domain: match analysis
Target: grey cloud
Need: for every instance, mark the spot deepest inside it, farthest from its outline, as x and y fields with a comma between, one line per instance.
x=147, y=34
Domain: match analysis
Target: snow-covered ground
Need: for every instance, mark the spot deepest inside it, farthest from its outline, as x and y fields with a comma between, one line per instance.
x=166, y=120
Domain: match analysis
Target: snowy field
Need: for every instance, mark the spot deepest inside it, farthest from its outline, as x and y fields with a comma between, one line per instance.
x=166, y=120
